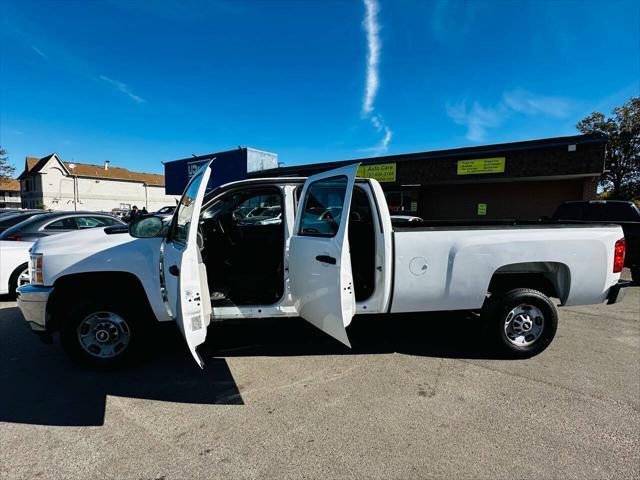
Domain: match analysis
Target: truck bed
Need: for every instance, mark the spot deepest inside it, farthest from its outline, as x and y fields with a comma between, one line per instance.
x=449, y=265
x=472, y=224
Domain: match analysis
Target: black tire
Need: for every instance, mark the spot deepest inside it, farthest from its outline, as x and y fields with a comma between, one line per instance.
x=635, y=275
x=498, y=308
x=135, y=328
x=13, y=279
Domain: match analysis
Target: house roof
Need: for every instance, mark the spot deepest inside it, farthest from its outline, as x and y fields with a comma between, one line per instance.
x=12, y=184
x=33, y=165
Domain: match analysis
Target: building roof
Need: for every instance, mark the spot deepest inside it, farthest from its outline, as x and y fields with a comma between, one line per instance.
x=34, y=164
x=12, y=184
x=465, y=152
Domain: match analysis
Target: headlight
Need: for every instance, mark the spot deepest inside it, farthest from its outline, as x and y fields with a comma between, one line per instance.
x=35, y=269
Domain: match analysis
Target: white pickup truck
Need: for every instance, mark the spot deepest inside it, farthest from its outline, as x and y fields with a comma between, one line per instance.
x=322, y=248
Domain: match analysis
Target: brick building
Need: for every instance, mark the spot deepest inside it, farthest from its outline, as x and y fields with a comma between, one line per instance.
x=524, y=180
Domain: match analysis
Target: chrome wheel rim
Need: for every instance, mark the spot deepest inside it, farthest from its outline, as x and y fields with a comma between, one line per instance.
x=524, y=325
x=104, y=334
x=23, y=278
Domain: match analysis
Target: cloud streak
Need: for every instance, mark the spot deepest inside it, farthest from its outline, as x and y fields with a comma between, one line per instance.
x=39, y=52
x=374, y=47
x=372, y=29
x=123, y=88
x=479, y=119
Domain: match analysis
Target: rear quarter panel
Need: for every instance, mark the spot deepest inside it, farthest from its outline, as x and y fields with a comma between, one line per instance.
x=461, y=262
x=12, y=255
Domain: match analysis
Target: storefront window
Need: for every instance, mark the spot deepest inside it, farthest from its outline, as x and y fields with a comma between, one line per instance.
x=402, y=202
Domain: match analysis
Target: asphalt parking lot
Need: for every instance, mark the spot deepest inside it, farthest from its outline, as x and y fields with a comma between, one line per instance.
x=416, y=398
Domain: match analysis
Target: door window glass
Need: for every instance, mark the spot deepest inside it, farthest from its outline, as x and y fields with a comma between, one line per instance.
x=92, y=222
x=322, y=210
x=183, y=218
x=62, y=224
x=254, y=207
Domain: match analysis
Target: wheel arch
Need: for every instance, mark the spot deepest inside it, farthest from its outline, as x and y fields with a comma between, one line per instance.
x=551, y=278
x=95, y=285
x=13, y=277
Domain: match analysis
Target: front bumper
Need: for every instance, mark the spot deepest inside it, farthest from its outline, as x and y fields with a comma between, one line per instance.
x=32, y=302
x=616, y=292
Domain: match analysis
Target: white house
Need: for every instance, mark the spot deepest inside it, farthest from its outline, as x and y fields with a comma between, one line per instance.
x=50, y=183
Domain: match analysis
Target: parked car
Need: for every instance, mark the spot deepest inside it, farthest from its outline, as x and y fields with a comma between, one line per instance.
x=625, y=214
x=100, y=289
x=10, y=219
x=168, y=210
x=119, y=212
x=53, y=223
x=17, y=240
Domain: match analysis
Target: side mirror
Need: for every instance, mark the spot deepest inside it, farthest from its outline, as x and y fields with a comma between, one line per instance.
x=146, y=227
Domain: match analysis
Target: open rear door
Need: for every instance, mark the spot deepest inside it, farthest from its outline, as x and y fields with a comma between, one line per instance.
x=185, y=275
x=319, y=260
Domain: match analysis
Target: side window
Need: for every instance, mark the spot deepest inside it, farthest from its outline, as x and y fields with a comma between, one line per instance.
x=621, y=212
x=62, y=224
x=259, y=208
x=254, y=207
x=92, y=222
x=569, y=211
x=322, y=208
x=360, y=207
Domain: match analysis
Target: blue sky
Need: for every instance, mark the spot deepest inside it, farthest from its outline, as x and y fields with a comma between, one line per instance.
x=140, y=82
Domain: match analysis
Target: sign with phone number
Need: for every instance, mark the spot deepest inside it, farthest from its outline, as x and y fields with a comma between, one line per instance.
x=481, y=165
x=384, y=172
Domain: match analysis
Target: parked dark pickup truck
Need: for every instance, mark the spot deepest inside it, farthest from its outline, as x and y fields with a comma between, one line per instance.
x=622, y=213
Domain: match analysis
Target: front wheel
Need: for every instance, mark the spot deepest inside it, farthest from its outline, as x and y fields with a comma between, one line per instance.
x=524, y=321
x=102, y=336
x=19, y=277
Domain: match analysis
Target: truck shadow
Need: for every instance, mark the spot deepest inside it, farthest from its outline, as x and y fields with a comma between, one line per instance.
x=40, y=385
x=442, y=334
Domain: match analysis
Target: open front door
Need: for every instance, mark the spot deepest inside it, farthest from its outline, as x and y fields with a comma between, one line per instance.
x=184, y=273
x=319, y=260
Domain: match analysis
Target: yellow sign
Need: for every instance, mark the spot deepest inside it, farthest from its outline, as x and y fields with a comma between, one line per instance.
x=384, y=172
x=481, y=165
x=482, y=209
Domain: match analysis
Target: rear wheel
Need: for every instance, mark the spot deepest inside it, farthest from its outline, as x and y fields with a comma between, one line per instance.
x=635, y=275
x=19, y=277
x=523, y=321
x=102, y=335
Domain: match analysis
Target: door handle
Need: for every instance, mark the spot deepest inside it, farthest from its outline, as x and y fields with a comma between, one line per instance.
x=326, y=259
x=174, y=270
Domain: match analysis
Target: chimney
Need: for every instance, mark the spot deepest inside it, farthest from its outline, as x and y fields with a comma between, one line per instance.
x=106, y=164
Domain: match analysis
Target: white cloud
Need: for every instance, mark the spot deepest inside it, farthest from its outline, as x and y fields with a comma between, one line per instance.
x=122, y=87
x=39, y=52
x=478, y=119
x=522, y=101
x=374, y=46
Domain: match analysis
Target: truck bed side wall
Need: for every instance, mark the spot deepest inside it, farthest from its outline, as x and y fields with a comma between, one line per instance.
x=460, y=263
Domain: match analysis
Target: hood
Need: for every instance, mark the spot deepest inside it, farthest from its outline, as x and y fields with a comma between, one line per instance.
x=82, y=241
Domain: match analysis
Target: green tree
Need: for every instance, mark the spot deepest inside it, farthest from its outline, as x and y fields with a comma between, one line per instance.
x=621, y=178
x=6, y=170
